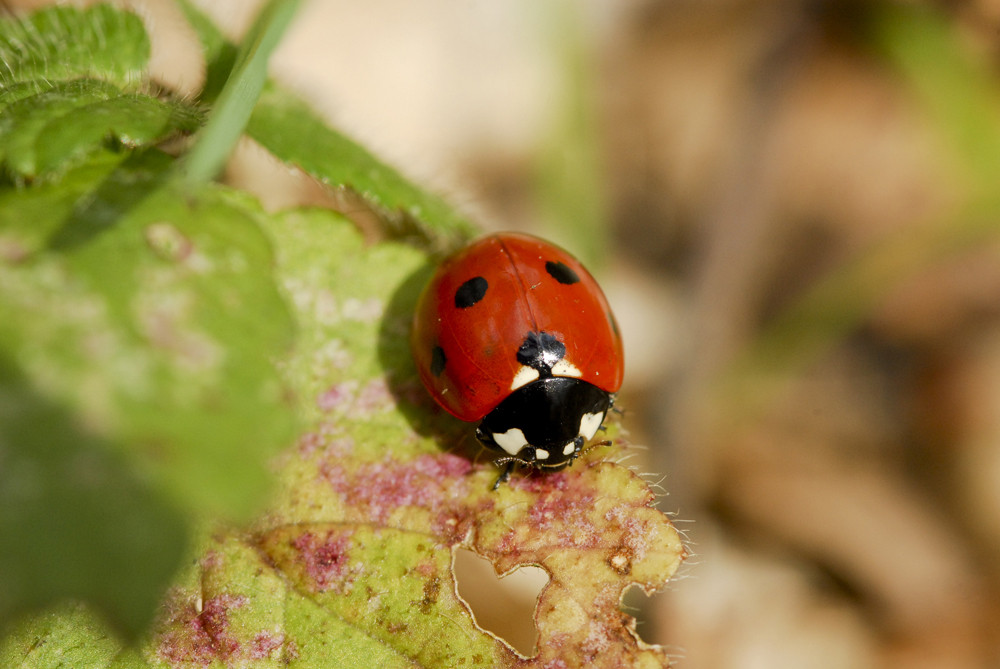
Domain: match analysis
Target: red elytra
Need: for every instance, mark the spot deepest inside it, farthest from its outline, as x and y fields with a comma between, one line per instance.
x=467, y=355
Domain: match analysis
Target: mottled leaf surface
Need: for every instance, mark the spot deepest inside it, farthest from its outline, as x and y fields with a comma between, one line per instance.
x=358, y=548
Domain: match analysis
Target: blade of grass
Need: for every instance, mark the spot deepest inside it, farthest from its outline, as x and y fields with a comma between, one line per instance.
x=284, y=124
x=236, y=101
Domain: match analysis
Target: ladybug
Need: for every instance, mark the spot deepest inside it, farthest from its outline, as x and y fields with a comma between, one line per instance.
x=513, y=332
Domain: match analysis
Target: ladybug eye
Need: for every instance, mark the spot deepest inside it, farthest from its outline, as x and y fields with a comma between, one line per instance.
x=561, y=273
x=470, y=292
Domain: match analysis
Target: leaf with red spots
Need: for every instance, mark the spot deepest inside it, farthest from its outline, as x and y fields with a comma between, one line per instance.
x=353, y=565
x=372, y=508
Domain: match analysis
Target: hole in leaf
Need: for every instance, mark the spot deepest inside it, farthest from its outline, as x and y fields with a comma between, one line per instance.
x=505, y=607
x=642, y=607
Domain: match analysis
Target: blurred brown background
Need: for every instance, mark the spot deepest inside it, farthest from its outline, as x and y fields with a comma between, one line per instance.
x=801, y=247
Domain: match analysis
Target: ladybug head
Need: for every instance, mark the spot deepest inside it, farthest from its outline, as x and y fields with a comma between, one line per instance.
x=545, y=423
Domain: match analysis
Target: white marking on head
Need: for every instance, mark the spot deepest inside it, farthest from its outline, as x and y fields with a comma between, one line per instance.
x=590, y=424
x=566, y=368
x=511, y=441
x=541, y=454
x=569, y=448
x=524, y=376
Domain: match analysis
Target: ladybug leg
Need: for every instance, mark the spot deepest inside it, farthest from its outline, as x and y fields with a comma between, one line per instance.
x=509, y=464
x=577, y=451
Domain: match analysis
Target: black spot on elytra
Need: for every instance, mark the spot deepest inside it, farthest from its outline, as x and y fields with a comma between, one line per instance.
x=561, y=273
x=541, y=350
x=438, y=360
x=470, y=292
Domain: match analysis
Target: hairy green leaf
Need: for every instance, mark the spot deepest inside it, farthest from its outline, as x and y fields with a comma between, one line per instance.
x=44, y=132
x=61, y=43
x=292, y=131
x=56, y=108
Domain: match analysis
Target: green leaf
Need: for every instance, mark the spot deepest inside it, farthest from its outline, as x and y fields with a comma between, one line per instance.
x=65, y=636
x=156, y=316
x=44, y=132
x=51, y=117
x=61, y=43
x=352, y=563
x=77, y=521
x=23, y=122
x=149, y=323
x=289, y=129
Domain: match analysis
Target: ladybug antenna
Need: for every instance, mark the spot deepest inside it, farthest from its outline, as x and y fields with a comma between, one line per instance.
x=596, y=444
